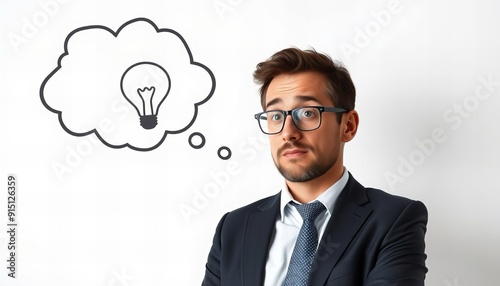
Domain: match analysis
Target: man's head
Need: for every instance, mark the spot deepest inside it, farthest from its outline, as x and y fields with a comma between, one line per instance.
x=339, y=85
x=294, y=79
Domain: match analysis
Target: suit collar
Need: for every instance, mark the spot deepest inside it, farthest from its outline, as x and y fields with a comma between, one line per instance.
x=348, y=216
x=269, y=202
x=354, y=192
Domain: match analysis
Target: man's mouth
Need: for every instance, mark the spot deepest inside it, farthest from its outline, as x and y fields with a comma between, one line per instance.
x=294, y=152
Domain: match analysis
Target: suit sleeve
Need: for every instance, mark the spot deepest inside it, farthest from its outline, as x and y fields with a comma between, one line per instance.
x=213, y=266
x=401, y=260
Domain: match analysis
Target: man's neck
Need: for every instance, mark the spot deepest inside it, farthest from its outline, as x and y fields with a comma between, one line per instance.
x=305, y=192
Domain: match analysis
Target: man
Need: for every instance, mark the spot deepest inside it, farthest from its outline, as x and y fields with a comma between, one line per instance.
x=323, y=228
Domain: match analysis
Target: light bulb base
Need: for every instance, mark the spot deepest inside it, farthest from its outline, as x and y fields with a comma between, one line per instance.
x=149, y=121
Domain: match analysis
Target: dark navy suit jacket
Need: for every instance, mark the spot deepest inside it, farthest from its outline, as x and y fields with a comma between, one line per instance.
x=372, y=238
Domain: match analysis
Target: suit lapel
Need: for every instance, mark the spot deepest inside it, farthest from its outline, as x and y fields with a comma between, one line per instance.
x=347, y=218
x=257, y=236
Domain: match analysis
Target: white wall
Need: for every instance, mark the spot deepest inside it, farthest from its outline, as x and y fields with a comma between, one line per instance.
x=428, y=80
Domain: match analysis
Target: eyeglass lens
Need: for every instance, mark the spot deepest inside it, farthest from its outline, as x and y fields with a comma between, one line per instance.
x=306, y=118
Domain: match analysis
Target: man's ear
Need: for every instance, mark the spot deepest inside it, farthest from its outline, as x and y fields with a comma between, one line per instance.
x=350, y=122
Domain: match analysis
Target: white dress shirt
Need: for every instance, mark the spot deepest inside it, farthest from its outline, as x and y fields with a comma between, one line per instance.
x=288, y=226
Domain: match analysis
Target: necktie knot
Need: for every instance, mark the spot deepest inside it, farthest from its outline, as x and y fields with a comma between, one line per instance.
x=309, y=212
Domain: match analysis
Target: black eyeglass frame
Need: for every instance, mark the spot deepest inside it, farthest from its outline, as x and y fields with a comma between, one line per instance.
x=292, y=112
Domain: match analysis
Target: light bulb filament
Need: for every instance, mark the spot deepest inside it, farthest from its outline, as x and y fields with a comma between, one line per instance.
x=146, y=94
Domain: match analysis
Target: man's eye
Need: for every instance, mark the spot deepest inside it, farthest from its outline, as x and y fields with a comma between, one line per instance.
x=276, y=117
x=308, y=113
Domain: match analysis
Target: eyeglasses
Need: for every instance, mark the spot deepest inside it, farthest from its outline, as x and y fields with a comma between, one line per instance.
x=306, y=118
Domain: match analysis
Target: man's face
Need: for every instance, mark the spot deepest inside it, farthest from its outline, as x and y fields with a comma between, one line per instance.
x=301, y=156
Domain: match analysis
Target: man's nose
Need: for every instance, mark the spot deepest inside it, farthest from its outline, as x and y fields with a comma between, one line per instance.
x=290, y=131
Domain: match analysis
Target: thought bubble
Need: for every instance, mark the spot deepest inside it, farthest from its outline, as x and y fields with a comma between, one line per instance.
x=146, y=71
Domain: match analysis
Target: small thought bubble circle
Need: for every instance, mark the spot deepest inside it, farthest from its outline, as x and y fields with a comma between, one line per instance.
x=200, y=137
x=224, y=153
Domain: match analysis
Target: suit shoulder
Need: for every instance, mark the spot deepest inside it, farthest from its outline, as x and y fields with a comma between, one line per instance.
x=377, y=194
x=382, y=198
x=257, y=206
x=376, y=197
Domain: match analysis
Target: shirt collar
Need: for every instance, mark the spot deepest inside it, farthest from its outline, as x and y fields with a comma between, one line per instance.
x=327, y=198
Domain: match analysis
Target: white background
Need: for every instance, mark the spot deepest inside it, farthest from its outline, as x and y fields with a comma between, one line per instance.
x=114, y=216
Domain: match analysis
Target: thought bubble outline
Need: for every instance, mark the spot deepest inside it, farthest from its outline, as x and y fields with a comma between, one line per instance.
x=115, y=34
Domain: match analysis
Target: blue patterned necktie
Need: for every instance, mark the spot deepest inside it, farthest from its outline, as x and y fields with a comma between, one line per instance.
x=305, y=246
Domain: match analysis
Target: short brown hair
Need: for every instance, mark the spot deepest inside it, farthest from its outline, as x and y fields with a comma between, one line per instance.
x=292, y=60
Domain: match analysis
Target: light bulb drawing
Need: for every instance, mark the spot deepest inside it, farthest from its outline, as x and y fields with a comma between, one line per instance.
x=145, y=85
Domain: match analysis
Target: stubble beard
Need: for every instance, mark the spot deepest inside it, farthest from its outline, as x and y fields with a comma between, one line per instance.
x=296, y=173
